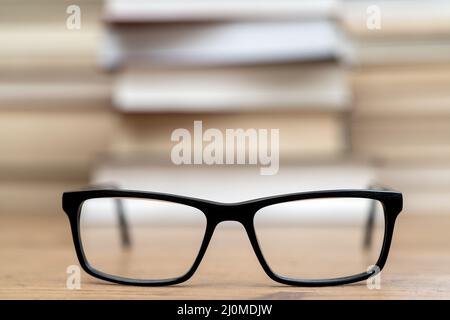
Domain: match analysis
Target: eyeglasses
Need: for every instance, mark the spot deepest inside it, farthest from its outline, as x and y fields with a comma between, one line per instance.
x=306, y=239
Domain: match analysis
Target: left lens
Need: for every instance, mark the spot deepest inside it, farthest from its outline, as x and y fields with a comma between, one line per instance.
x=164, y=237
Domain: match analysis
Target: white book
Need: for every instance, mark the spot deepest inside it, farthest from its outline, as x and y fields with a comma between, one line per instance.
x=118, y=11
x=239, y=183
x=218, y=43
x=235, y=184
x=317, y=87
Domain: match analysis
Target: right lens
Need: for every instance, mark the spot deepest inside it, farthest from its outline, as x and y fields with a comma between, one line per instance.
x=164, y=237
x=319, y=239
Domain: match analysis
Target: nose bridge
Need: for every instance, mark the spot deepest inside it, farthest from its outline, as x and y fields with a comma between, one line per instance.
x=232, y=212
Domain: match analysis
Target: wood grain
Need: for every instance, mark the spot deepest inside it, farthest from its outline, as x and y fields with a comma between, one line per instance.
x=36, y=250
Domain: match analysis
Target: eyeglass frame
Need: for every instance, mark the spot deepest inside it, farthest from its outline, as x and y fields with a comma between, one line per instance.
x=241, y=212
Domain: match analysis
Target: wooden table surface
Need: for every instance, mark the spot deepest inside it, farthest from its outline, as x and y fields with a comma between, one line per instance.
x=35, y=252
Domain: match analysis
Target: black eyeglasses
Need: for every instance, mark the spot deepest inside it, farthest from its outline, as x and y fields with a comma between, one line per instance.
x=306, y=239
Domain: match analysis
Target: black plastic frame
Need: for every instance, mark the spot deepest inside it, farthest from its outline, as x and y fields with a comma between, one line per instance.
x=242, y=212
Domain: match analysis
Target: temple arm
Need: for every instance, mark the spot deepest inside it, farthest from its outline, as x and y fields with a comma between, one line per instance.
x=120, y=211
x=123, y=223
x=368, y=233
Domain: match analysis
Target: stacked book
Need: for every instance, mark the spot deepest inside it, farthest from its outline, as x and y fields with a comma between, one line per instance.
x=54, y=116
x=401, y=81
x=230, y=64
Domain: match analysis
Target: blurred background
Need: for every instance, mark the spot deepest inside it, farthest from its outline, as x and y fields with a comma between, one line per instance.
x=97, y=103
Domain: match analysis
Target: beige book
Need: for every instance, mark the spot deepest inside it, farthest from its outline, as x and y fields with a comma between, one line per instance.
x=397, y=80
x=301, y=135
x=400, y=79
x=24, y=12
x=52, y=140
x=402, y=90
x=436, y=104
x=55, y=88
x=369, y=149
x=35, y=197
x=126, y=11
x=364, y=52
x=39, y=33
x=402, y=138
x=425, y=186
x=28, y=45
x=425, y=176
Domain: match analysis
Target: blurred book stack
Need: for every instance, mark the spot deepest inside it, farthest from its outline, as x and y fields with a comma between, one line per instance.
x=86, y=105
x=401, y=81
x=54, y=115
x=232, y=64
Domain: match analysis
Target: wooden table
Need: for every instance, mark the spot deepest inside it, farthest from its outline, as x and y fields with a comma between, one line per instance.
x=36, y=250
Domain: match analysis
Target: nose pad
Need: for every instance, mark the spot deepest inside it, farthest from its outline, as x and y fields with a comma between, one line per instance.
x=230, y=252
